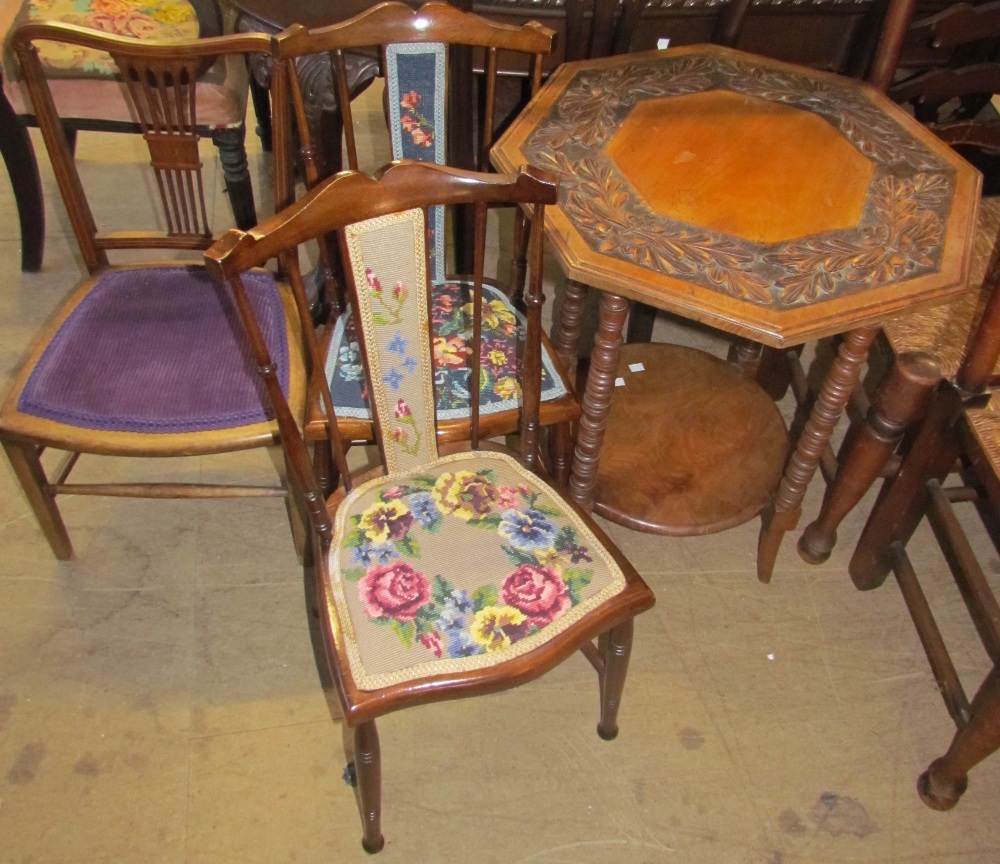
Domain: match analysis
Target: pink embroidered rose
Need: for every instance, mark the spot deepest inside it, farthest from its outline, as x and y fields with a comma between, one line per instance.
x=410, y=100
x=538, y=592
x=394, y=591
x=422, y=138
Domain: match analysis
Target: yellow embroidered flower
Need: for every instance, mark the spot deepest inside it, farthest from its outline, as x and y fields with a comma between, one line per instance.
x=465, y=494
x=489, y=626
x=495, y=313
x=507, y=388
x=173, y=13
x=385, y=520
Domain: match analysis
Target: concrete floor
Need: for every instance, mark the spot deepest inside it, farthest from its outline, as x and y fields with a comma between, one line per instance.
x=159, y=700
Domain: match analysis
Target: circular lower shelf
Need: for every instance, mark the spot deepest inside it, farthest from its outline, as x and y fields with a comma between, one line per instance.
x=691, y=447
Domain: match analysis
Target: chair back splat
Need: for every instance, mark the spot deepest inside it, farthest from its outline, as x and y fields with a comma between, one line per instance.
x=161, y=82
x=449, y=571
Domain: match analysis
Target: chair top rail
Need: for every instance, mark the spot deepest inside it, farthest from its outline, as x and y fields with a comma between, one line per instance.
x=352, y=196
x=396, y=22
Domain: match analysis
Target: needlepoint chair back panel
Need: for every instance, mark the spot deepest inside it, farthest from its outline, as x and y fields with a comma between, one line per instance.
x=440, y=576
x=388, y=259
x=415, y=76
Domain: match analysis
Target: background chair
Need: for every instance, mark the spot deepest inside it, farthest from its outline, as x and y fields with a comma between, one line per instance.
x=959, y=421
x=448, y=575
x=88, y=97
x=944, y=332
x=413, y=47
x=143, y=359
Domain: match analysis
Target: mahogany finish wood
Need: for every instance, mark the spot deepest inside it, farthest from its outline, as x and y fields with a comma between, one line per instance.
x=161, y=79
x=340, y=201
x=667, y=415
x=747, y=256
x=907, y=388
x=373, y=31
x=18, y=154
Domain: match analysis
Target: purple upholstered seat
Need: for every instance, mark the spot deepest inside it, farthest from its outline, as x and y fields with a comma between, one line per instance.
x=158, y=350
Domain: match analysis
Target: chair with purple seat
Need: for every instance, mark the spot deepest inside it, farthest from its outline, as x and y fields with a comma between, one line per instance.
x=143, y=359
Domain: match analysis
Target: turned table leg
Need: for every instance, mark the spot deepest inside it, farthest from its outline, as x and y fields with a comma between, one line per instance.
x=597, y=398
x=783, y=514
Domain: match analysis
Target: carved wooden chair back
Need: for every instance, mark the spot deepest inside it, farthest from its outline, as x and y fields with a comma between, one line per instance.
x=89, y=93
x=143, y=359
x=164, y=93
x=415, y=48
x=442, y=575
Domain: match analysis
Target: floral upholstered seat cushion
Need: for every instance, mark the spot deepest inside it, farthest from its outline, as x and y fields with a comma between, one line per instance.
x=412, y=601
x=451, y=321
x=141, y=19
x=83, y=82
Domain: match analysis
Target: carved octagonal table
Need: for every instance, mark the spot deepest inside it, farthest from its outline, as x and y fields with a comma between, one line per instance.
x=773, y=202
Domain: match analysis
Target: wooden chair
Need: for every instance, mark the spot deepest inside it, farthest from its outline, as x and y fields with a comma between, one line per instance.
x=441, y=576
x=414, y=46
x=960, y=420
x=88, y=96
x=944, y=332
x=142, y=359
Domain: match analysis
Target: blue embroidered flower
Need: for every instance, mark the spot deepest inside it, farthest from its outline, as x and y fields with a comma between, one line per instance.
x=424, y=509
x=461, y=644
x=397, y=345
x=455, y=611
x=393, y=378
x=527, y=529
x=369, y=554
x=410, y=364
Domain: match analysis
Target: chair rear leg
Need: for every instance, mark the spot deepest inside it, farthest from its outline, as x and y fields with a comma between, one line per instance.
x=368, y=771
x=28, y=468
x=943, y=783
x=22, y=166
x=236, y=170
x=616, y=647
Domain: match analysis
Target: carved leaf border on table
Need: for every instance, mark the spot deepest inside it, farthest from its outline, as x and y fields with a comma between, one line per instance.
x=898, y=237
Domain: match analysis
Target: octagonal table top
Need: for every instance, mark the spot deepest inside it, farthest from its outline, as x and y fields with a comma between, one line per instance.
x=768, y=200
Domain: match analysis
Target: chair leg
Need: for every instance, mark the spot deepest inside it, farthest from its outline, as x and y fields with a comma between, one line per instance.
x=560, y=453
x=368, y=771
x=902, y=502
x=617, y=648
x=236, y=170
x=261, y=98
x=22, y=166
x=28, y=469
x=900, y=400
x=519, y=267
x=943, y=783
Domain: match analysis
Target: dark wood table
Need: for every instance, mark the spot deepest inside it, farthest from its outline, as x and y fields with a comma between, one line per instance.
x=768, y=200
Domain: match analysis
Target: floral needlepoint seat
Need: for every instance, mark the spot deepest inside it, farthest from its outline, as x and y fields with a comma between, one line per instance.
x=407, y=599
